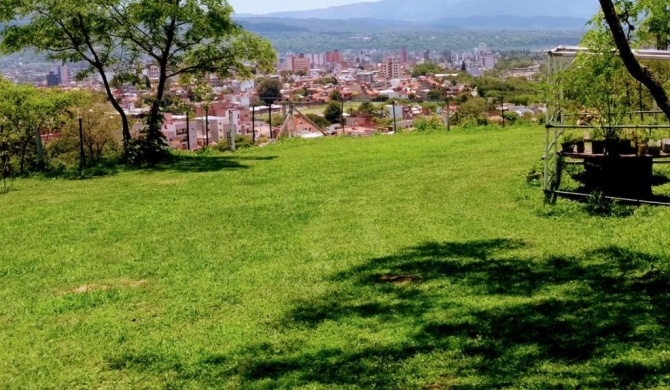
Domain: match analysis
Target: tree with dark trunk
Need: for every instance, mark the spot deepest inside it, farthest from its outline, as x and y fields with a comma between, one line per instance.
x=179, y=37
x=640, y=72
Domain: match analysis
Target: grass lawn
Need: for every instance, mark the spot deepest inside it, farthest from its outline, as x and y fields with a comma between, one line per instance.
x=417, y=261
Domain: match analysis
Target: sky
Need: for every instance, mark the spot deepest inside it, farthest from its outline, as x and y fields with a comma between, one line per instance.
x=267, y=6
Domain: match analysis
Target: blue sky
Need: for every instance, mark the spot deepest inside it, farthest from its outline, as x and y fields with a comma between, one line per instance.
x=267, y=6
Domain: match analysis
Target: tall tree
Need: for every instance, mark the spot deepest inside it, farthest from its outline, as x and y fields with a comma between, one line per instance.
x=269, y=90
x=626, y=12
x=114, y=36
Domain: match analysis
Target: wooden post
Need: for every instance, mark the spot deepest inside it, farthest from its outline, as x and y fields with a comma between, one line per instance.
x=82, y=157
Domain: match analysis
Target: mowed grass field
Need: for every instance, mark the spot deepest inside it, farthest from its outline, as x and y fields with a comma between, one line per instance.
x=416, y=261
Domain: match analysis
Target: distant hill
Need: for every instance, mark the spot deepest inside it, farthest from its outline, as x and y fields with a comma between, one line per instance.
x=427, y=10
x=261, y=27
x=264, y=25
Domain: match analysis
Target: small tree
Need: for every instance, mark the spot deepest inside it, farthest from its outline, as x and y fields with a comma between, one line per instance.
x=366, y=109
x=26, y=111
x=269, y=91
x=336, y=96
x=333, y=112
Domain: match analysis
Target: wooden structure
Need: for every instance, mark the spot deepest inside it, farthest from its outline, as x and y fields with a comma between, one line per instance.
x=624, y=175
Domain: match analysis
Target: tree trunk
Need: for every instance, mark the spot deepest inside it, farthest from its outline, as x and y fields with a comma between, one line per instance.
x=24, y=147
x=39, y=148
x=639, y=72
x=124, y=118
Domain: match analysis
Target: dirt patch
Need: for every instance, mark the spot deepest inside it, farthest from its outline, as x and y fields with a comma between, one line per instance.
x=121, y=283
x=399, y=279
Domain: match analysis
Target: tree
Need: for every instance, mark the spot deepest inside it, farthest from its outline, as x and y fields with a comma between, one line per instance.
x=366, y=109
x=269, y=90
x=656, y=18
x=100, y=126
x=435, y=94
x=425, y=69
x=203, y=94
x=115, y=36
x=333, y=112
x=25, y=112
x=318, y=120
x=336, y=96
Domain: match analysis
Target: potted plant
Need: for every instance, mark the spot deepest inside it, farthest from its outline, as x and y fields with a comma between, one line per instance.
x=640, y=138
x=655, y=144
x=568, y=144
x=572, y=140
x=597, y=138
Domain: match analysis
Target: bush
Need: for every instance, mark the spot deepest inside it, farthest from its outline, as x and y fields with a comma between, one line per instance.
x=241, y=142
x=429, y=123
x=318, y=120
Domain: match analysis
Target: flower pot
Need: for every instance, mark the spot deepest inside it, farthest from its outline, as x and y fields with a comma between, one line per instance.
x=666, y=145
x=568, y=147
x=598, y=147
x=580, y=146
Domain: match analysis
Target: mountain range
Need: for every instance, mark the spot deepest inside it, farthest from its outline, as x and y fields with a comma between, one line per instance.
x=428, y=10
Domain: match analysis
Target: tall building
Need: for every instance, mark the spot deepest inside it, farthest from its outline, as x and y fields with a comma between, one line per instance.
x=334, y=57
x=300, y=63
x=403, y=56
x=391, y=68
x=63, y=74
x=489, y=61
x=52, y=79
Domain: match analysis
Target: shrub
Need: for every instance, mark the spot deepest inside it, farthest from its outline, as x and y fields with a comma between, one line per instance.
x=241, y=142
x=429, y=123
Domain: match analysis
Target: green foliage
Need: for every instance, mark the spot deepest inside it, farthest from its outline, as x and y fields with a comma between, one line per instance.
x=189, y=37
x=277, y=119
x=367, y=109
x=472, y=109
x=435, y=94
x=241, y=142
x=511, y=117
x=326, y=80
x=269, y=90
x=25, y=113
x=333, y=112
x=318, y=120
x=517, y=90
x=427, y=68
x=242, y=271
x=429, y=123
x=336, y=96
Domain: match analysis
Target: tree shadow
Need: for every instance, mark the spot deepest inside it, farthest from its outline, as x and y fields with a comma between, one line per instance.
x=596, y=321
x=468, y=315
x=206, y=163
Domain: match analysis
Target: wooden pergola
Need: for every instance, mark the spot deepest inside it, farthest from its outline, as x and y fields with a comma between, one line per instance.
x=560, y=59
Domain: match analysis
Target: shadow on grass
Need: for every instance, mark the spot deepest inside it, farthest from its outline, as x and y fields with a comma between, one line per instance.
x=206, y=163
x=494, y=320
x=470, y=315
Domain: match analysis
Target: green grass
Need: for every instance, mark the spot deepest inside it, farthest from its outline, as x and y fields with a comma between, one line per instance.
x=417, y=261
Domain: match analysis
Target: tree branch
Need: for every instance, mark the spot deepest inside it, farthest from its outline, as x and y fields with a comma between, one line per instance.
x=639, y=72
